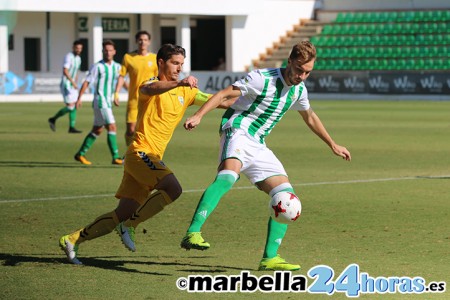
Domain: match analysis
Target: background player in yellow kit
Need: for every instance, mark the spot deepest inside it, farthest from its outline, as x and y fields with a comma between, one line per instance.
x=147, y=184
x=140, y=65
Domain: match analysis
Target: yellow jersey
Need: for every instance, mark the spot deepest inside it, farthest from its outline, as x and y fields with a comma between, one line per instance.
x=159, y=115
x=139, y=69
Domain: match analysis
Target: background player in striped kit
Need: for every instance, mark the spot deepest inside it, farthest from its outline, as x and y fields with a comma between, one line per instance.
x=103, y=75
x=264, y=97
x=69, y=87
x=140, y=65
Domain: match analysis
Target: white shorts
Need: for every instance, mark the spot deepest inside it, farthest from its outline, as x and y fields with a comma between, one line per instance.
x=258, y=161
x=70, y=95
x=103, y=116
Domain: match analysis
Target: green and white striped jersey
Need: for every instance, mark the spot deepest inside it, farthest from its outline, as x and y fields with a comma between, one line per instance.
x=265, y=99
x=103, y=79
x=72, y=62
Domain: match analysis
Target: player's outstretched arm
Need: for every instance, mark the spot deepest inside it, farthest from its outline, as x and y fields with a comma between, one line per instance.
x=152, y=88
x=312, y=120
x=221, y=98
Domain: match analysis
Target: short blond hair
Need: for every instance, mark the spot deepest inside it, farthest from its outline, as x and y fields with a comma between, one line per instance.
x=303, y=52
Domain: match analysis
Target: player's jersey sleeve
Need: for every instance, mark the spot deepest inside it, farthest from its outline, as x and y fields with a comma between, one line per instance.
x=149, y=81
x=302, y=102
x=252, y=84
x=92, y=74
x=67, y=61
x=201, y=98
x=123, y=68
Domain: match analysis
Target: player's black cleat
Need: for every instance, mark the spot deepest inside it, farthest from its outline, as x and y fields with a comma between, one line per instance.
x=74, y=130
x=51, y=123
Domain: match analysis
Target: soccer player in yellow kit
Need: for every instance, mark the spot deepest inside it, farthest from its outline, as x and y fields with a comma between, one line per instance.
x=140, y=66
x=147, y=184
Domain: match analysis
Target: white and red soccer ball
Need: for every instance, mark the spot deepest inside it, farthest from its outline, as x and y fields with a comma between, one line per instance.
x=285, y=207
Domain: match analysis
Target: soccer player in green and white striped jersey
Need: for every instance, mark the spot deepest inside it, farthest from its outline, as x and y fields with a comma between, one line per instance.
x=103, y=76
x=69, y=88
x=264, y=97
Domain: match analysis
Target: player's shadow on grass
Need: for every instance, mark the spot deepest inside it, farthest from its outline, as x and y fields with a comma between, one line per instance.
x=110, y=263
x=208, y=268
x=45, y=164
x=14, y=260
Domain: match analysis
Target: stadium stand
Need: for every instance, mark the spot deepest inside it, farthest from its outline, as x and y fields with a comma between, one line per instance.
x=375, y=40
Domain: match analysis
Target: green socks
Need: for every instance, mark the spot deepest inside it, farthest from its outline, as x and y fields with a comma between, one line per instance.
x=276, y=231
x=61, y=112
x=88, y=142
x=112, y=144
x=211, y=197
x=72, y=117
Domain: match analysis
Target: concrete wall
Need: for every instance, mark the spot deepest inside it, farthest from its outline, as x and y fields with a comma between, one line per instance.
x=265, y=25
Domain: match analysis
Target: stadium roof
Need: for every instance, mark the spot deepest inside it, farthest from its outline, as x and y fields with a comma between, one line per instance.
x=195, y=7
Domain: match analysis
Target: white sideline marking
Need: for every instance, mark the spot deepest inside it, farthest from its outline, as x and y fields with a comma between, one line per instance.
x=240, y=188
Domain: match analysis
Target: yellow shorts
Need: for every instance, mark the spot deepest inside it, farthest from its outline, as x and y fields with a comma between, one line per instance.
x=141, y=174
x=132, y=111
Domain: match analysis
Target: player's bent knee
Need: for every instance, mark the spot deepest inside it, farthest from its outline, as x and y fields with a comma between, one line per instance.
x=170, y=186
x=175, y=192
x=287, y=187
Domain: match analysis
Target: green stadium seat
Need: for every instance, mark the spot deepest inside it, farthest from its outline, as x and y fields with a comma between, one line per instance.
x=411, y=64
x=446, y=16
x=321, y=51
x=369, y=52
x=438, y=16
x=443, y=27
x=330, y=41
x=347, y=17
x=347, y=64
x=419, y=64
x=318, y=64
x=343, y=40
x=436, y=51
x=359, y=17
x=334, y=29
x=419, y=16
x=428, y=16
x=356, y=64
x=315, y=40
x=405, y=16
x=406, y=52
x=386, y=64
x=334, y=52
x=374, y=40
x=429, y=28
x=327, y=29
x=340, y=18
x=397, y=64
x=398, y=51
x=355, y=51
x=424, y=52
x=386, y=52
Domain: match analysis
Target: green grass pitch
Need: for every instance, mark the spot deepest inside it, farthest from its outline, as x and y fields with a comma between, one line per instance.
x=388, y=210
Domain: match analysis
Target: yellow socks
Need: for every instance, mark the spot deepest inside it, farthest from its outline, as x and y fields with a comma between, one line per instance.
x=101, y=226
x=151, y=207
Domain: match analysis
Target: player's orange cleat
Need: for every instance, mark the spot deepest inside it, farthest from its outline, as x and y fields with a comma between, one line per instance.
x=82, y=159
x=117, y=161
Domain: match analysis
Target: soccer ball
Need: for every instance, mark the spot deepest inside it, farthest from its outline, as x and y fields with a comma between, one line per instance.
x=285, y=207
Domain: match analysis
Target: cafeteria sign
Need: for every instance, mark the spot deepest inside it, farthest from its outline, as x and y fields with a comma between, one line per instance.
x=108, y=24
